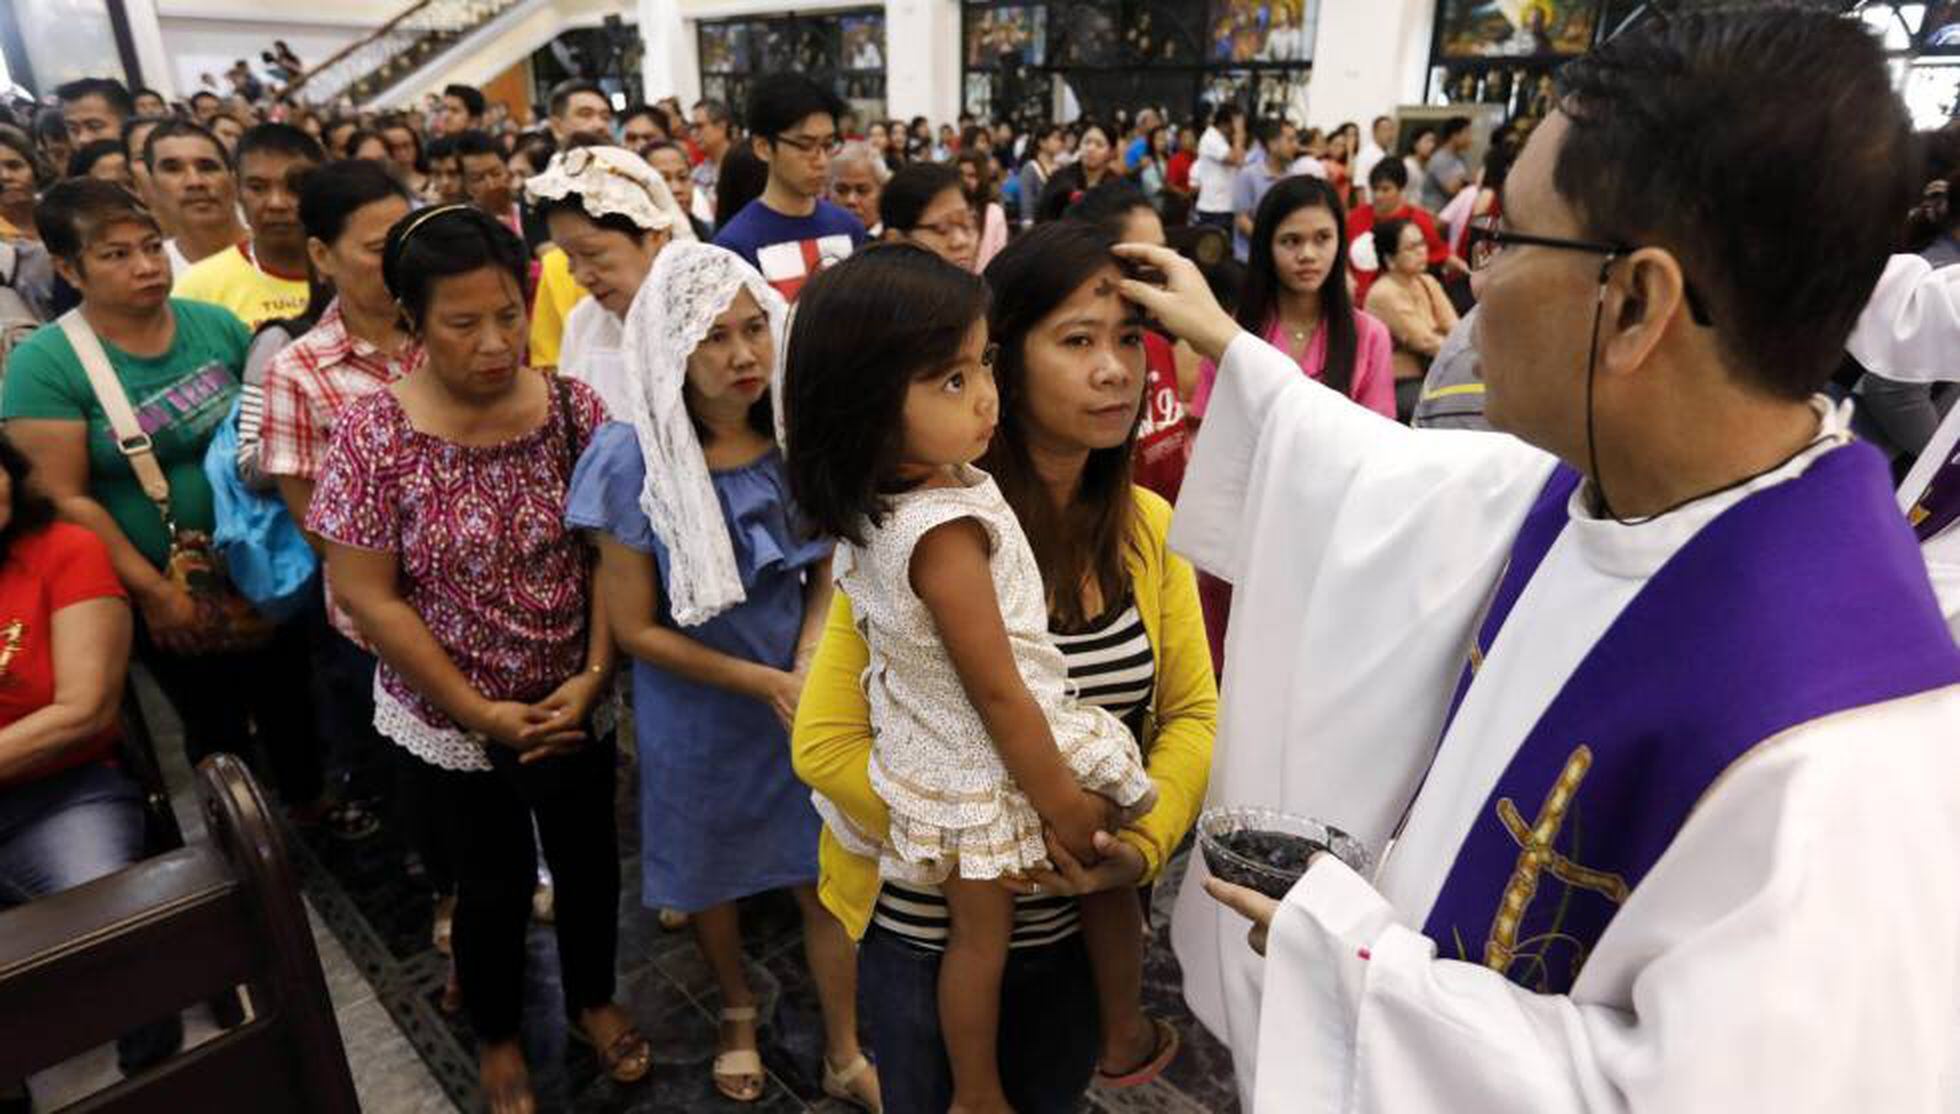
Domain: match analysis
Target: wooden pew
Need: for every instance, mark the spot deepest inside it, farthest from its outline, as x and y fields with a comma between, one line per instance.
x=82, y=966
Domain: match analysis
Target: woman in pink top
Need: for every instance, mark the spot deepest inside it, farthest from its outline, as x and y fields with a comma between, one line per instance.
x=1298, y=242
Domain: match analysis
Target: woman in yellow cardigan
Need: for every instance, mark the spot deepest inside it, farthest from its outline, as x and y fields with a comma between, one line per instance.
x=1070, y=375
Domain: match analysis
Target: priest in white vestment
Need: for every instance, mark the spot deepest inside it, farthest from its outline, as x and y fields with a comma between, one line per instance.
x=1788, y=942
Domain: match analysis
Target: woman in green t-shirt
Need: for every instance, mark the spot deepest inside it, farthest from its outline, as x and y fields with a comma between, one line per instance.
x=178, y=363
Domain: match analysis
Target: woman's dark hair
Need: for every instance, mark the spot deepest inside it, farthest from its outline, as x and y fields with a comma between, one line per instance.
x=911, y=191
x=1151, y=138
x=20, y=143
x=1082, y=132
x=1108, y=207
x=32, y=511
x=1030, y=278
x=537, y=149
x=742, y=179
x=360, y=136
x=1259, y=299
x=329, y=196
x=864, y=330
x=1388, y=239
x=88, y=154
x=76, y=210
x=444, y=242
x=983, y=169
x=574, y=203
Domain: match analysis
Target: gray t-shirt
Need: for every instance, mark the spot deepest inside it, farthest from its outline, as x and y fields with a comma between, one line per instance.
x=1445, y=167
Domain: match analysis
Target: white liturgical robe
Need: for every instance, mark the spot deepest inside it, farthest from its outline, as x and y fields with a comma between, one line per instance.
x=1910, y=331
x=1796, y=948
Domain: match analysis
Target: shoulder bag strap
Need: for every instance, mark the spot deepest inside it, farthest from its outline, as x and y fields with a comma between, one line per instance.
x=130, y=438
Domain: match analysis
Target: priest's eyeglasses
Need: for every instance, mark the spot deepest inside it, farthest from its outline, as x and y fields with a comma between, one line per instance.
x=1488, y=240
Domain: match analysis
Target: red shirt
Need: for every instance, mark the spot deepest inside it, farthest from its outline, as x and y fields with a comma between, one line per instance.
x=1163, y=445
x=1361, y=222
x=44, y=572
x=1177, y=174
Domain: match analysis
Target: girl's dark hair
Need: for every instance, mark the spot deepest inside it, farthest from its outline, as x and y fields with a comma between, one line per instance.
x=328, y=198
x=1388, y=239
x=1259, y=299
x=742, y=179
x=911, y=191
x=444, y=242
x=864, y=330
x=88, y=154
x=1031, y=277
x=983, y=168
x=32, y=511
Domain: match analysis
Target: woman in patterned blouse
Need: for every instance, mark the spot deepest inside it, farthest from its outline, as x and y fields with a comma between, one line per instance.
x=441, y=506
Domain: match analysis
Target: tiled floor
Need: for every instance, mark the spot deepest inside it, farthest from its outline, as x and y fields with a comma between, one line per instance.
x=371, y=926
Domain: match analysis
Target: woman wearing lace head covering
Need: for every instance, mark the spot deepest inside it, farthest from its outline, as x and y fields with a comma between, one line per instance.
x=719, y=596
x=611, y=213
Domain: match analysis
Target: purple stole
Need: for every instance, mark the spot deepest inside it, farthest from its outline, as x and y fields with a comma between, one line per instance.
x=1805, y=599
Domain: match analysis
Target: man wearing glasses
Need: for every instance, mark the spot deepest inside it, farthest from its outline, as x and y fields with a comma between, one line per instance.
x=1647, y=712
x=791, y=232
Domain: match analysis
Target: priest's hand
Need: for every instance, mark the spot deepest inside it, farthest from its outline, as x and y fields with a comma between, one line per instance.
x=1182, y=302
x=1250, y=904
x=1121, y=866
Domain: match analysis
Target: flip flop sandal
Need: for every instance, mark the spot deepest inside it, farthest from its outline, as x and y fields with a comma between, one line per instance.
x=742, y=1066
x=1151, y=1068
x=837, y=1084
x=627, y=1060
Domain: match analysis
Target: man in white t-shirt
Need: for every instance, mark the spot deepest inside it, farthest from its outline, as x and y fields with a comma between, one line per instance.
x=1220, y=152
x=1380, y=140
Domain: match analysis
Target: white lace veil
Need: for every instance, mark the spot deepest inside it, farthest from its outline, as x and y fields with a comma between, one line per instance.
x=691, y=284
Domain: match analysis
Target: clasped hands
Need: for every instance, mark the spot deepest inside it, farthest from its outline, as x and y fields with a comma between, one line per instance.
x=552, y=726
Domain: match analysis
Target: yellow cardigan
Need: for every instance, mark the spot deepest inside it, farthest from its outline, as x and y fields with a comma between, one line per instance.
x=831, y=746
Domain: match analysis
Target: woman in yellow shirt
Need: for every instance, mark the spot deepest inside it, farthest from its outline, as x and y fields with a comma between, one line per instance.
x=1070, y=373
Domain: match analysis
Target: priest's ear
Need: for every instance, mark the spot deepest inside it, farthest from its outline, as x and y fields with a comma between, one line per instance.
x=1646, y=291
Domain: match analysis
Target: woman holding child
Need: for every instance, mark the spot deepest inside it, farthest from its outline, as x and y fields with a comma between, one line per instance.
x=1121, y=610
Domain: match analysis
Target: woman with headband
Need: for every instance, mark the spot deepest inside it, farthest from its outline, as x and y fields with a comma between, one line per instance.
x=717, y=591
x=441, y=507
x=611, y=213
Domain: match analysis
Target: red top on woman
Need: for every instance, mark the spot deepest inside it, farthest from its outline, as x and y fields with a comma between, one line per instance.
x=46, y=571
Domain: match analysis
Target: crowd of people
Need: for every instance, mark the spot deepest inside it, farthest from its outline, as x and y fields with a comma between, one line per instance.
x=838, y=457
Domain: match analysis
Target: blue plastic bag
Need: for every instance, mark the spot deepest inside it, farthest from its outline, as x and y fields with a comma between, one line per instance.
x=265, y=555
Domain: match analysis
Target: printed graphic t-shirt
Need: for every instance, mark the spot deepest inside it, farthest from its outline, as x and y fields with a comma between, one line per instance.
x=789, y=251
x=232, y=279
x=179, y=399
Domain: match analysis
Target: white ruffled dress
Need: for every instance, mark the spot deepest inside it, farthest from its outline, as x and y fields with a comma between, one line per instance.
x=954, y=806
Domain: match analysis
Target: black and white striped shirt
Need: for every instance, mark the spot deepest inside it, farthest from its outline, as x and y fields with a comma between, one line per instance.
x=1111, y=666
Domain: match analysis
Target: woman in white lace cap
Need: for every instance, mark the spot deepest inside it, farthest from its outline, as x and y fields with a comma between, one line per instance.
x=719, y=593
x=611, y=213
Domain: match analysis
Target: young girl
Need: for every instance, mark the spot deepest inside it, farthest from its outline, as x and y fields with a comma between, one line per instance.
x=980, y=742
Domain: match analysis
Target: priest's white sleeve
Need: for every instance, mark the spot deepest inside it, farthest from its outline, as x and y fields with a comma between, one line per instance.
x=1794, y=950
x=1361, y=554
x=1910, y=329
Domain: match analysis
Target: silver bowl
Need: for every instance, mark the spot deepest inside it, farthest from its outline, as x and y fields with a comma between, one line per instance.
x=1229, y=865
